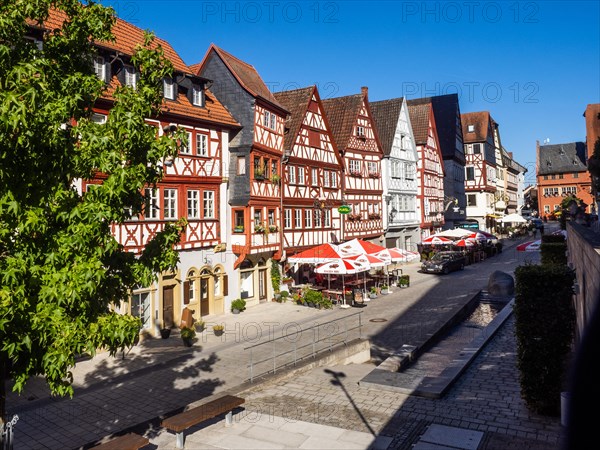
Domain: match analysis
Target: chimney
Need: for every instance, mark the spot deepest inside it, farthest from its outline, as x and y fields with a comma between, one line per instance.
x=364, y=90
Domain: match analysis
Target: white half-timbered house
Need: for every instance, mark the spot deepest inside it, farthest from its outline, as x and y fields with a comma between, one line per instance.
x=312, y=173
x=357, y=141
x=254, y=170
x=399, y=173
x=192, y=187
x=480, y=167
x=430, y=167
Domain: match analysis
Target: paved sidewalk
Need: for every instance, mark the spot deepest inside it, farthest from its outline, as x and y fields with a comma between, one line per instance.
x=162, y=376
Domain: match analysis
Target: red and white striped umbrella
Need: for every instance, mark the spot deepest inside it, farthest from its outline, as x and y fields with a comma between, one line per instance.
x=397, y=254
x=435, y=239
x=531, y=246
x=342, y=266
x=464, y=243
x=371, y=260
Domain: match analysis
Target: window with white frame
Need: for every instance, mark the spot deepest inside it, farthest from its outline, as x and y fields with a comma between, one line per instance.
x=273, y=121
x=360, y=131
x=470, y=128
x=208, y=204
x=131, y=76
x=201, y=144
x=170, y=203
x=297, y=218
x=287, y=218
x=151, y=209
x=326, y=178
x=569, y=190
x=169, y=88
x=318, y=218
x=332, y=179
x=197, y=96
x=372, y=168
x=314, y=177
x=546, y=209
x=269, y=120
x=355, y=166
x=307, y=218
x=241, y=165
x=193, y=207
x=327, y=218
x=140, y=307
x=100, y=67
x=186, y=148
x=257, y=217
x=292, y=174
x=301, y=176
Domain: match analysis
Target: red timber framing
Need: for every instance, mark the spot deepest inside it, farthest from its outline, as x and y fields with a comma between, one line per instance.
x=480, y=158
x=192, y=186
x=312, y=175
x=255, y=180
x=356, y=138
x=430, y=167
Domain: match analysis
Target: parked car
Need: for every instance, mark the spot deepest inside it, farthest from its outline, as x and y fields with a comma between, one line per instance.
x=444, y=262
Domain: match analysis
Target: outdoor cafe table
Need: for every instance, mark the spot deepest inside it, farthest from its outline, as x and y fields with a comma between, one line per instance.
x=334, y=295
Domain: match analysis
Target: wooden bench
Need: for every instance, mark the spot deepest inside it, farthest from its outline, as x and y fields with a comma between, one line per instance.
x=182, y=421
x=130, y=441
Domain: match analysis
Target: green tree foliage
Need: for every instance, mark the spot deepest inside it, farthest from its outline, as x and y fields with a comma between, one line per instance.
x=60, y=267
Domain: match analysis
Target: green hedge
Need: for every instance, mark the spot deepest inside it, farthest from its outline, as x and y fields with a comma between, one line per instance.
x=545, y=323
x=548, y=238
x=554, y=253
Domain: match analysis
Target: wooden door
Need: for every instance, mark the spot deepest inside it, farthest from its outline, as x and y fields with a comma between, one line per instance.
x=262, y=285
x=204, y=292
x=168, y=313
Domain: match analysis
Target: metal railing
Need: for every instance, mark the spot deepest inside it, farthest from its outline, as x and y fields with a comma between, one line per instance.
x=302, y=344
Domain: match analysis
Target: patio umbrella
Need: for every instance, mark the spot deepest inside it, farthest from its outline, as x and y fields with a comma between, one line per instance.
x=464, y=243
x=372, y=261
x=358, y=246
x=436, y=239
x=531, y=246
x=316, y=255
x=398, y=254
x=513, y=218
x=343, y=267
x=456, y=232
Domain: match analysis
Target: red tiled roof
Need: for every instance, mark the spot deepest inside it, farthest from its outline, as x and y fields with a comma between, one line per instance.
x=295, y=102
x=127, y=36
x=246, y=74
x=419, y=113
x=482, y=122
x=386, y=114
x=342, y=113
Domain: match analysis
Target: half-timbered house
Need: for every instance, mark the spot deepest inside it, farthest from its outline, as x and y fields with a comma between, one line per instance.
x=430, y=167
x=254, y=169
x=312, y=173
x=357, y=141
x=192, y=186
x=399, y=173
x=480, y=167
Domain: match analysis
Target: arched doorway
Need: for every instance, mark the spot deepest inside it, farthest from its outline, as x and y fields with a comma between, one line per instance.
x=206, y=293
x=262, y=280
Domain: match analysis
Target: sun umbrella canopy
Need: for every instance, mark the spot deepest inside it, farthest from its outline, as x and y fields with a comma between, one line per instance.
x=397, y=254
x=316, y=255
x=437, y=239
x=342, y=267
x=531, y=246
x=464, y=243
x=358, y=247
x=371, y=260
x=456, y=232
x=513, y=218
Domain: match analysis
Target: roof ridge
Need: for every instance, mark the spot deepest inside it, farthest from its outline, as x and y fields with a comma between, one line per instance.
x=229, y=55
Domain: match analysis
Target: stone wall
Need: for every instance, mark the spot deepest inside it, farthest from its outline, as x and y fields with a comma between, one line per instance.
x=584, y=255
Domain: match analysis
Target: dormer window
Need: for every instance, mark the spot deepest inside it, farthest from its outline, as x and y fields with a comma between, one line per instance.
x=169, y=88
x=100, y=67
x=131, y=76
x=269, y=120
x=197, y=96
x=471, y=128
x=37, y=42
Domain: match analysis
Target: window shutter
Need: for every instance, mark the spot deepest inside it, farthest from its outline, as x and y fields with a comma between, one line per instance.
x=225, y=285
x=186, y=292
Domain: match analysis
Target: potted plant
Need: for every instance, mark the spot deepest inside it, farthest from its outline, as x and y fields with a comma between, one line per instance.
x=373, y=292
x=287, y=280
x=385, y=289
x=165, y=332
x=200, y=326
x=238, y=305
x=218, y=329
x=275, y=179
x=259, y=228
x=284, y=296
x=313, y=298
x=259, y=173
x=273, y=228
x=404, y=280
x=188, y=335
x=238, y=229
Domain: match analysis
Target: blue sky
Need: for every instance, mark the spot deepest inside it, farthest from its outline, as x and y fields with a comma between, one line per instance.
x=534, y=65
